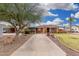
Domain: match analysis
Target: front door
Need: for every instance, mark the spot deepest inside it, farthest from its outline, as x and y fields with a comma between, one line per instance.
x=48, y=31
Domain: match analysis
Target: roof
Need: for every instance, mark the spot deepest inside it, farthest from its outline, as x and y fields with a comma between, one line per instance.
x=45, y=26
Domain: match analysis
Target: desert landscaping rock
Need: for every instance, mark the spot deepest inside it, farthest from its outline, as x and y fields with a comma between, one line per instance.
x=8, y=49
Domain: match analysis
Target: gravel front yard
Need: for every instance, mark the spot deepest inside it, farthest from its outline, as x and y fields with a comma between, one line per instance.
x=8, y=49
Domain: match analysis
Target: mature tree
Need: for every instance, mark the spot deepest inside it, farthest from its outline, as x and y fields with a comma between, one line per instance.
x=20, y=15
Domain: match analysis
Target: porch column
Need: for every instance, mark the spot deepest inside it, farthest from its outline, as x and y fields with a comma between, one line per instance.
x=50, y=30
x=43, y=30
x=35, y=30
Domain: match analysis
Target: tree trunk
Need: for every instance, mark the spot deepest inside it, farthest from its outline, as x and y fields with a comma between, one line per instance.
x=18, y=31
x=17, y=34
x=70, y=27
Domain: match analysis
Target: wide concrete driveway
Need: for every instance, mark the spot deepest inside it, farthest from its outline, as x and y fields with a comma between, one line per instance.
x=39, y=45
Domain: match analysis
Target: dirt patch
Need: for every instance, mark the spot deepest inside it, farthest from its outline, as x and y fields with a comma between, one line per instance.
x=8, y=49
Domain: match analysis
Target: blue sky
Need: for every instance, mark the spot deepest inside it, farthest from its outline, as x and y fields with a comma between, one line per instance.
x=63, y=13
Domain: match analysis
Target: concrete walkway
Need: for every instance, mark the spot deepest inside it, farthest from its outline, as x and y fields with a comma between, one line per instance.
x=39, y=45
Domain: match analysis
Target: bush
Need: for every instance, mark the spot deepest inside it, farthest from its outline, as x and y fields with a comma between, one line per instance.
x=27, y=31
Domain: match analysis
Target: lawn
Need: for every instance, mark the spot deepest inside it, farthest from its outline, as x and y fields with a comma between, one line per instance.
x=69, y=40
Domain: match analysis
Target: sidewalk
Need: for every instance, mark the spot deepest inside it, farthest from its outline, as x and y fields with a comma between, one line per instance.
x=39, y=45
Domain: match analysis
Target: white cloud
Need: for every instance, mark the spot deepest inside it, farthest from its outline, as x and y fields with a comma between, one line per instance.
x=77, y=15
x=72, y=15
x=34, y=24
x=44, y=6
x=56, y=21
x=74, y=6
x=47, y=6
x=49, y=22
x=66, y=6
x=49, y=14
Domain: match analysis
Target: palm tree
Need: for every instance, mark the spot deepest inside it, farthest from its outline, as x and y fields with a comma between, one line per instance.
x=20, y=15
x=71, y=20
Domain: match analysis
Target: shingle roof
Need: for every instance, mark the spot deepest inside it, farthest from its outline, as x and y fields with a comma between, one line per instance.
x=45, y=26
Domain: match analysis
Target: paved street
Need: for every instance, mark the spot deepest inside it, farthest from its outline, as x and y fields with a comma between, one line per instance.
x=39, y=45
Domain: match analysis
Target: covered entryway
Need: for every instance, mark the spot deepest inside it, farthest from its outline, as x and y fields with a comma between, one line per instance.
x=46, y=28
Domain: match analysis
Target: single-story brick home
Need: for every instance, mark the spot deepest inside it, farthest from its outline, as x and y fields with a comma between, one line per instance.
x=45, y=28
